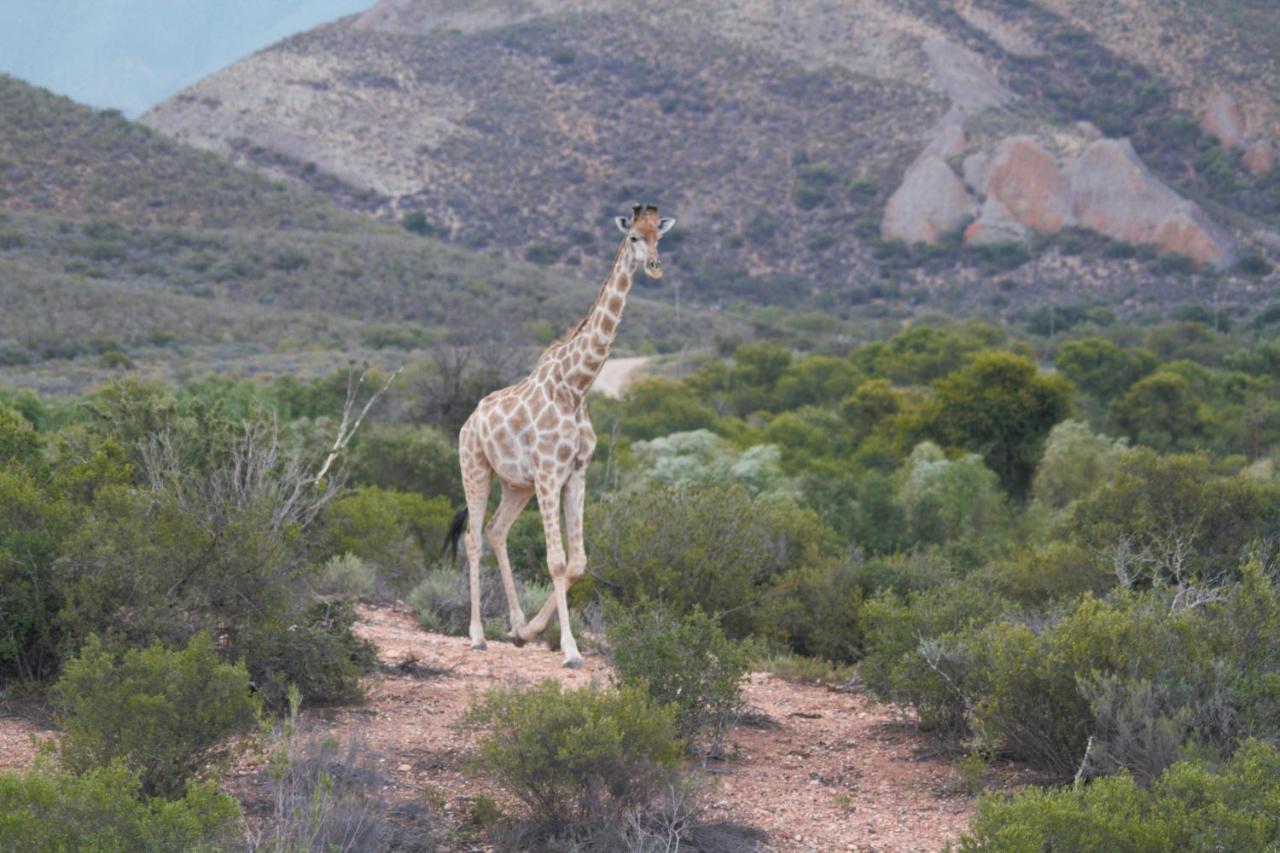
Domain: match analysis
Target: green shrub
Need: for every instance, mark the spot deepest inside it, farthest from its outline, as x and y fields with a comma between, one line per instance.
x=1194, y=806
x=102, y=810
x=683, y=661
x=163, y=713
x=816, y=611
x=442, y=602
x=346, y=574
x=579, y=760
x=398, y=532
x=318, y=652
x=715, y=549
x=919, y=651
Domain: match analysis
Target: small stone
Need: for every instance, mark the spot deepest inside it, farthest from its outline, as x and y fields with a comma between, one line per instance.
x=1222, y=119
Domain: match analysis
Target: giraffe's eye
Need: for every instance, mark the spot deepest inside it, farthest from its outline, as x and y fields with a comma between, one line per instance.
x=635, y=239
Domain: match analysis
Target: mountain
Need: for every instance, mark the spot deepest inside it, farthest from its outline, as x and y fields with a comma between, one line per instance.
x=848, y=156
x=129, y=54
x=116, y=240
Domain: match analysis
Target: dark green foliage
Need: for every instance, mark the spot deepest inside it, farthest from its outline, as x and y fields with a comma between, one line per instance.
x=318, y=652
x=399, y=533
x=1001, y=407
x=1165, y=518
x=1193, y=806
x=407, y=458
x=1160, y=411
x=45, y=811
x=163, y=713
x=1101, y=368
x=681, y=661
x=578, y=760
x=816, y=611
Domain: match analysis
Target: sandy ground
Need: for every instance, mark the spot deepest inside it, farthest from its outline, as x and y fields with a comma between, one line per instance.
x=616, y=373
x=830, y=770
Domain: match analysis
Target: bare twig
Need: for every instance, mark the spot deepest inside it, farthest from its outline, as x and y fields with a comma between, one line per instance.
x=347, y=428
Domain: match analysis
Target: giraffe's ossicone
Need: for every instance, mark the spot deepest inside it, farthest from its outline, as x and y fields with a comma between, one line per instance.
x=537, y=438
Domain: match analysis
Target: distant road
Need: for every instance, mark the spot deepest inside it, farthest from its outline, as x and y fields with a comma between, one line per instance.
x=615, y=375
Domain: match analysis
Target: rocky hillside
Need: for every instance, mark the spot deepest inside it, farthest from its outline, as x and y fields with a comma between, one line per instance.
x=818, y=154
x=119, y=246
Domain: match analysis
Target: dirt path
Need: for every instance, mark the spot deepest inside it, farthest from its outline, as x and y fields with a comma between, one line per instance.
x=616, y=374
x=831, y=771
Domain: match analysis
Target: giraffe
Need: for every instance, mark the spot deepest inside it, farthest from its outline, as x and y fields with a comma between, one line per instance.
x=537, y=438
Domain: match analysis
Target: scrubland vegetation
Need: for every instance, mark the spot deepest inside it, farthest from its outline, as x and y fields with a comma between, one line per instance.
x=1056, y=551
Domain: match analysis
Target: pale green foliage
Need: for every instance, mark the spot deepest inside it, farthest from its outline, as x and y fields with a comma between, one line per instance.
x=1076, y=460
x=949, y=499
x=702, y=458
x=346, y=574
x=443, y=601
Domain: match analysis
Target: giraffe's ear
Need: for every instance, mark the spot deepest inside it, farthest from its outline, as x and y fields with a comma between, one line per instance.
x=624, y=223
x=665, y=224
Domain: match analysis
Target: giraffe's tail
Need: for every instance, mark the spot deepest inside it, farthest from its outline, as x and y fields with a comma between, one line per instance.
x=456, y=528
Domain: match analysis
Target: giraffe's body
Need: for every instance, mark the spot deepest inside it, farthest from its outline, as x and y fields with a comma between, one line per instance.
x=537, y=438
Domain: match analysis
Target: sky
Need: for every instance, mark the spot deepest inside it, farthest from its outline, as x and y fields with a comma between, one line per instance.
x=131, y=54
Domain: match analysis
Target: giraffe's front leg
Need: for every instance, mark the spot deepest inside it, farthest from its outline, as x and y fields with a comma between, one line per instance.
x=514, y=499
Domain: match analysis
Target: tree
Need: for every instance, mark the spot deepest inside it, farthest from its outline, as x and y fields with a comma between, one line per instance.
x=1102, y=369
x=1160, y=411
x=1001, y=407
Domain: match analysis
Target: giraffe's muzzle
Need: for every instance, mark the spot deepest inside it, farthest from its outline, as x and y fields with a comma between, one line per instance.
x=653, y=269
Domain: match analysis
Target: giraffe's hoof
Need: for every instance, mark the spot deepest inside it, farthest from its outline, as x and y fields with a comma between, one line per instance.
x=479, y=645
x=573, y=663
x=516, y=639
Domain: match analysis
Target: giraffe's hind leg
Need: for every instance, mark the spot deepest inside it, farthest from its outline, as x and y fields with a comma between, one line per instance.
x=514, y=499
x=476, y=482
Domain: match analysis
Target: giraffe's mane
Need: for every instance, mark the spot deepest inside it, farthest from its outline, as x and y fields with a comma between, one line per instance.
x=572, y=331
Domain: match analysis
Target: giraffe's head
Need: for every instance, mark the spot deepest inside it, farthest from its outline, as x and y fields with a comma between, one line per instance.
x=643, y=229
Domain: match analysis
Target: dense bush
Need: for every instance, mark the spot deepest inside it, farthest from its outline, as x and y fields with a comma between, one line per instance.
x=581, y=761
x=398, y=533
x=714, y=549
x=1193, y=806
x=44, y=811
x=816, y=611
x=682, y=661
x=165, y=714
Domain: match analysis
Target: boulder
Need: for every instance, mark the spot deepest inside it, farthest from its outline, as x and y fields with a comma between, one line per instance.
x=975, y=168
x=960, y=72
x=1188, y=231
x=1259, y=158
x=1222, y=118
x=1115, y=194
x=930, y=202
x=995, y=224
x=1025, y=178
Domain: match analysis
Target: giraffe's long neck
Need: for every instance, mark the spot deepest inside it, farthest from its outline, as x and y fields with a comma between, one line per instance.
x=587, y=350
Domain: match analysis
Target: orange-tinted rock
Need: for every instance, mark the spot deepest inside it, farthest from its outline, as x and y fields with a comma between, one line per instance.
x=1116, y=195
x=1188, y=231
x=1223, y=119
x=1259, y=158
x=930, y=202
x=1025, y=178
x=995, y=224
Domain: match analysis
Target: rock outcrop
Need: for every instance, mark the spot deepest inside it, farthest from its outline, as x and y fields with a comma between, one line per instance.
x=995, y=224
x=930, y=202
x=1223, y=119
x=1259, y=158
x=1115, y=194
x=1025, y=178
